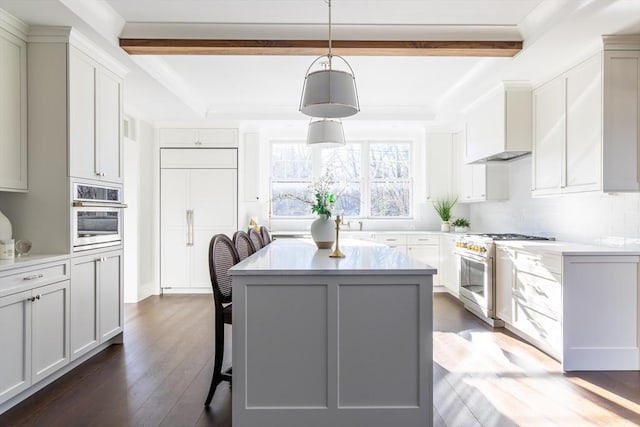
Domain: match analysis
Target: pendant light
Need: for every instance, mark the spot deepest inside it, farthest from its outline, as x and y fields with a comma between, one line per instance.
x=325, y=133
x=327, y=92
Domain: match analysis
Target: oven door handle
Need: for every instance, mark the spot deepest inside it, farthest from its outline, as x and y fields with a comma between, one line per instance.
x=476, y=258
x=98, y=205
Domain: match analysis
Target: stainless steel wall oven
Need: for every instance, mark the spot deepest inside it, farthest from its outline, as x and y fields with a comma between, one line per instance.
x=97, y=216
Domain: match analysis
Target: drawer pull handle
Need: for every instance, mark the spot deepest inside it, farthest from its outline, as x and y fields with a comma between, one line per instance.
x=391, y=240
x=33, y=277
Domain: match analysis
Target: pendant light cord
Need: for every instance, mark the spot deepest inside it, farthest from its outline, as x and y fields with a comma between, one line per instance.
x=330, y=55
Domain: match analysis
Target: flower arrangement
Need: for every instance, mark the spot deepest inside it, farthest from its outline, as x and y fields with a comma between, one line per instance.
x=321, y=199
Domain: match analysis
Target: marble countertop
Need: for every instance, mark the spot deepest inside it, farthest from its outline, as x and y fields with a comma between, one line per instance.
x=30, y=260
x=568, y=248
x=300, y=256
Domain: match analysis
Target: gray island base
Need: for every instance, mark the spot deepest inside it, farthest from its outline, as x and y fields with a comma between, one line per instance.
x=320, y=341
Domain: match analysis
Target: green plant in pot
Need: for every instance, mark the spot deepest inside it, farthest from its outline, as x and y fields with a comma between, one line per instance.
x=460, y=224
x=443, y=207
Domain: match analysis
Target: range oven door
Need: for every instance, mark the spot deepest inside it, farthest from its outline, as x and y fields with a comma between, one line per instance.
x=475, y=279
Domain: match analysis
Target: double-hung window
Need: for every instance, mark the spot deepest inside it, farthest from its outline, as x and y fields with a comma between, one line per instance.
x=371, y=178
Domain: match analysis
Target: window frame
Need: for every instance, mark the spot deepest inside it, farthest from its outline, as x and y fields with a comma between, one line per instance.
x=365, y=178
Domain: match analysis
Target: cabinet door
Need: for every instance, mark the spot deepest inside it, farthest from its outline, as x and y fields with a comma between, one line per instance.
x=504, y=284
x=584, y=126
x=466, y=183
x=13, y=113
x=110, y=295
x=448, y=266
x=174, y=199
x=50, y=329
x=83, y=305
x=177, y=137
x=429, y=255
x=108, y=126
x=479, y=182
x=214, y=206
x=217, y=137
x=15, y=336
x=621, y=116
x=82, y=129
x=548, y=137
x=439, y=166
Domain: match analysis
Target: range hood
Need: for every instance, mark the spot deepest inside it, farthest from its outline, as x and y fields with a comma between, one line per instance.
x=499, y=124
x=504, y=156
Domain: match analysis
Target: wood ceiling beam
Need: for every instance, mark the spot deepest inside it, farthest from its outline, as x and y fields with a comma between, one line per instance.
x=319, y=47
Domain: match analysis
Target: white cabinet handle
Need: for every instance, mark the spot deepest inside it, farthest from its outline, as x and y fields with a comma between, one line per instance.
x=33, y=277
x=189, y=227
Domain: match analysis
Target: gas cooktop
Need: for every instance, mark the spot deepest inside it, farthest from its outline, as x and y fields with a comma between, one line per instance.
x=510, y=236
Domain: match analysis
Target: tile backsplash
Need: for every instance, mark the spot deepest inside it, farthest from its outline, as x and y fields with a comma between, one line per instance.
x=586, y=218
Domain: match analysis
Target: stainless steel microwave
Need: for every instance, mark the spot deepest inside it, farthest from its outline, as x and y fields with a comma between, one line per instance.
x=97, y=216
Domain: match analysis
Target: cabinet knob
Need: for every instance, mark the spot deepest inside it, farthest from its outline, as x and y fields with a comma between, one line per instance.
x=97, y=173
x=198, y=142
x=38, y=296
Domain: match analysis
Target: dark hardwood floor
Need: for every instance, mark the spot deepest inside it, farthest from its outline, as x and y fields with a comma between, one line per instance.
x=482, y=377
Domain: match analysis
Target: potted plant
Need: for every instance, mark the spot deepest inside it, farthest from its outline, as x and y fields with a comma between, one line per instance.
x=443, y=207
x=460, y=225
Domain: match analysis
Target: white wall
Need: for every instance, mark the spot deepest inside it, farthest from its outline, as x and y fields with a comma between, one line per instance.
x=141, y=216
x=586, y=218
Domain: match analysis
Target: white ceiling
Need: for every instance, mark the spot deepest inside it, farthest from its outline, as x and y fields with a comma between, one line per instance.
x=556, y=34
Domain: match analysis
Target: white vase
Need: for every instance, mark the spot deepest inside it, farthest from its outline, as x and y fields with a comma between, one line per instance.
x=5, y=227
x=323, y=232
x=445, y=227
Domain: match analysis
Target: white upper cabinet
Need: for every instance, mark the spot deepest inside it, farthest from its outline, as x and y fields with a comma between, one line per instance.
x=478, y=182
x=549, y=137
x=194, y=138
x=621, y=120
x=586, y=124
x=13, y=112
x=439, y=165
x=499, y=124
x=95, y=120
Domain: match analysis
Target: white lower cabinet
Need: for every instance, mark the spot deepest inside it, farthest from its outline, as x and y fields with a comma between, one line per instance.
x=424, y=247
x=448, y=267
x=34, y=330
x=504, y=283
x=96, y=300
x=581, y=308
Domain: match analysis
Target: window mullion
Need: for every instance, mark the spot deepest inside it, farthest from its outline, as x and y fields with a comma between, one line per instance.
x=365, y=204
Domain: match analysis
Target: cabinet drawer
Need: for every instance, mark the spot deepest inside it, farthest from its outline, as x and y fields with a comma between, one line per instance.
x=27, y=278
x=541, y=264
x=424, y=239
x=391, y=239
x=547, y=331
x=541, y=293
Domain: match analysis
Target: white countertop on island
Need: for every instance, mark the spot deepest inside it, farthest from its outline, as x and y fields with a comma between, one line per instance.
x=300, y=256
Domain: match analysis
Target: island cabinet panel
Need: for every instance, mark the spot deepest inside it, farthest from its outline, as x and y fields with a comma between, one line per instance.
x=369, y=381
x=298, y=377
x=319, y=341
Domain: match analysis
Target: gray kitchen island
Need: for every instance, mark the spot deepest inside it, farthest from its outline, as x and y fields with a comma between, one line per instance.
x=320, y=341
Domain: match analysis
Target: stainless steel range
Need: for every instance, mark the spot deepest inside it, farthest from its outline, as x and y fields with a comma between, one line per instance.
x=476, y=254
